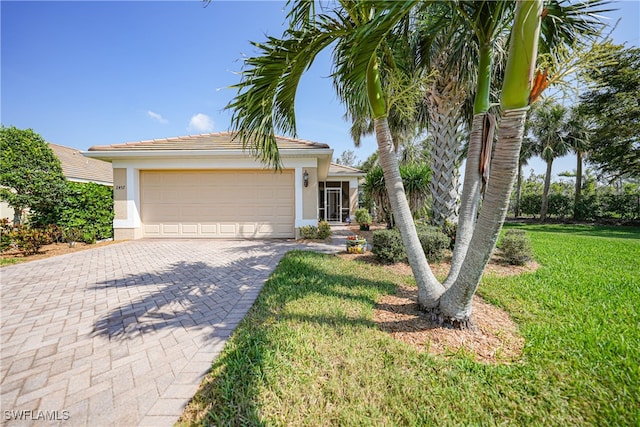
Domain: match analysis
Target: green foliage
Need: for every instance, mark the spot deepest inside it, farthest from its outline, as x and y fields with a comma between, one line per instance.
x=434, y=242
x=560, y=206
x=530, y=204
x=388, y=246
x=613, y=110
x=415, y=178
x=309, y=232
x=516, y=247
x=88, y=207
x=601, y=205
x=324, y=230
x=363, y=217
x=450, y=229
x=5, y=234
x=29, y=172
x=73, y=234
x=29, y=240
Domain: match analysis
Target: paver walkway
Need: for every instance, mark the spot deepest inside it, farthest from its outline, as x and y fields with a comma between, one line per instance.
x=123, y=334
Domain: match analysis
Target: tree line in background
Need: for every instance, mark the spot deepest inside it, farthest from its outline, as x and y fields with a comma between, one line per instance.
x=398, y=66
x=601, y=129
x=32, y=183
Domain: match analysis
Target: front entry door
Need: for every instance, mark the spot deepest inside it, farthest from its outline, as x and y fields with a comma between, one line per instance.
x=333, y=203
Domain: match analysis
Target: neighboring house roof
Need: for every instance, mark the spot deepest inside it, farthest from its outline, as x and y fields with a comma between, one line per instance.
x=79, y=168
x=208, y=141
x=342, y=170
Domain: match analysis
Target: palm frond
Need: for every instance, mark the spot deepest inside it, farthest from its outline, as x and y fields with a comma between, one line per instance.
x=265, y=102
x=567, y=21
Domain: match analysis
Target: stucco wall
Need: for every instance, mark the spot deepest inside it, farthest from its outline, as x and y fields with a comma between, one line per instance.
x=310, y=196
x=120, y=193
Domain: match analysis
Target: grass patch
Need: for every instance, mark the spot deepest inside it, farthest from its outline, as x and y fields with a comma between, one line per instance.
x=9, y=261
x=308, y=352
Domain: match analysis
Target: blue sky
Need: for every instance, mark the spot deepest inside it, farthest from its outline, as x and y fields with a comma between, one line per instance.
x=85, y=73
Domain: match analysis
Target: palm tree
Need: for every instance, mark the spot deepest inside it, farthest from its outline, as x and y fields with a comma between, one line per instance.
x=358, y=33
x=578, y=134
x=548, y=127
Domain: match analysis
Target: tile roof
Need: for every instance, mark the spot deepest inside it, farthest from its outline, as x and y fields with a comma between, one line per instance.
x=77, y=167
x=336, y=169
x=208, y=141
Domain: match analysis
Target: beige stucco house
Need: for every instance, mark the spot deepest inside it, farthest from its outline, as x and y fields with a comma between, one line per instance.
x=207, y=186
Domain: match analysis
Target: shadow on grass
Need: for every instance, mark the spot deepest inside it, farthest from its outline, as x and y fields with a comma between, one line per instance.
x=230, y=393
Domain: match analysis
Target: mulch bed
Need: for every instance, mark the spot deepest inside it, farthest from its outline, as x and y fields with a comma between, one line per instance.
x=494, y=338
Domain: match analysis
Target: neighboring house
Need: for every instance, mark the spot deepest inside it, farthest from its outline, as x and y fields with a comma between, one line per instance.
x=78, y=168
x=207, y=186
x=75, y=167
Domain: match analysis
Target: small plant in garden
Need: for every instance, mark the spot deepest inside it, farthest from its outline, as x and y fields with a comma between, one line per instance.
x=363, y=218
x=73, y=235
x=29, y=240
x=5, y=234
x=516, y=247
x=324, y=230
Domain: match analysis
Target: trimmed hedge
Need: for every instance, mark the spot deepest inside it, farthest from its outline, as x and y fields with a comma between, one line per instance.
x=388, y=245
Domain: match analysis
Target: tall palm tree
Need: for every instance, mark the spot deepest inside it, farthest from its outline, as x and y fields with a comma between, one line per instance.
x=578, y=134
x=549, y=126
x=358, y=33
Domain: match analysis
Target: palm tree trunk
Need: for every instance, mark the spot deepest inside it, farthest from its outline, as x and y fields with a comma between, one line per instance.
x=455, y=303
x=444, y=99
x=578, y=194
x=545, y=192
x=429, y=289
x=469, y=200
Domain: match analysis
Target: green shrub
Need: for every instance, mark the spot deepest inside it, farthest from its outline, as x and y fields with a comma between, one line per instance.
x=29, y=240
x=89, y=207
x=530, y=204
x=363, y=217
x=5, y=234
x=516, y=247
x=324, y=230
x=309, y=232
x=450, y=229
x=560, y=205
x=388, y=246
x=434, y=243
x=588, y=208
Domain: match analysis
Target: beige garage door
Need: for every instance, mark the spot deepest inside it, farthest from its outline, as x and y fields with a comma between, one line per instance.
x=217, y=204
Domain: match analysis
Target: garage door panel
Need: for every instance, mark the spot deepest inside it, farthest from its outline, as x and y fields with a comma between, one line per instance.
x=223, y=204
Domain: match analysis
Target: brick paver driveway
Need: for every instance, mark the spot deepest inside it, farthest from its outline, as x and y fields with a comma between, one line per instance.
x=122, y=334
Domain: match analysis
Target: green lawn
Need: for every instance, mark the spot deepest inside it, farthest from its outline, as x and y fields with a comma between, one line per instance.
x=309, y=354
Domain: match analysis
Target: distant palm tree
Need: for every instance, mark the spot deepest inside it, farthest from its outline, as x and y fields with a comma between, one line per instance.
x=549, y=130
x=578, y=134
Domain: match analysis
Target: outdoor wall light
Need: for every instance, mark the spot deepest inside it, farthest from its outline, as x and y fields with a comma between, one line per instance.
x=305, y=178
